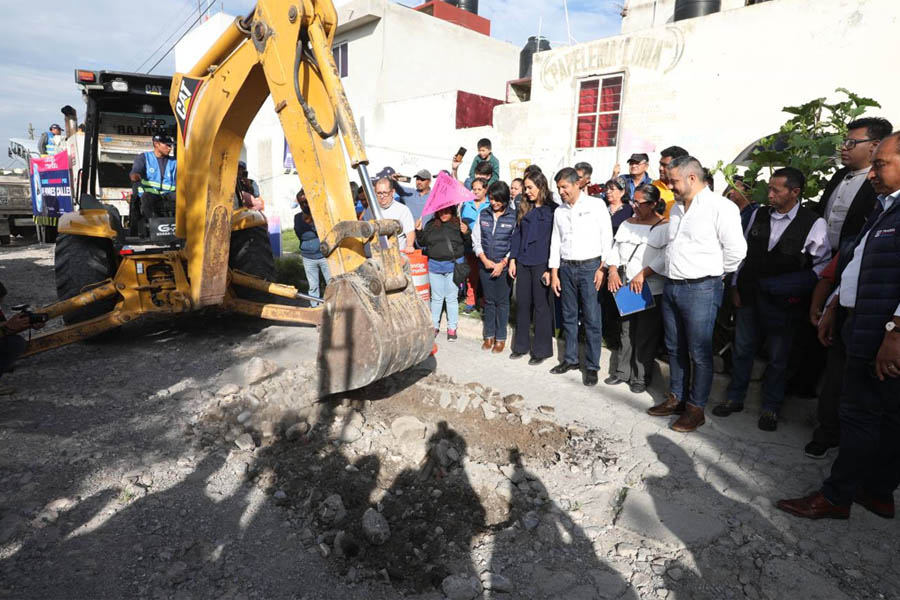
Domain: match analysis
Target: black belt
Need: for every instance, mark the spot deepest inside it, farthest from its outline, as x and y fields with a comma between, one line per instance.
x=698, y=280
x=573, y=263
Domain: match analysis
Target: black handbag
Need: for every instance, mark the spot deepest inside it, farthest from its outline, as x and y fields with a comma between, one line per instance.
x=460, y=269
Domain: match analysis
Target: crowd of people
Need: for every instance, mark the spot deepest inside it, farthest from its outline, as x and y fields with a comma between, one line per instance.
x=636, y=260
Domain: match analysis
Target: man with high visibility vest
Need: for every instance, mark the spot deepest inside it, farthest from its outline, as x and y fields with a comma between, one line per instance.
x=154, y=174
x=51, y=141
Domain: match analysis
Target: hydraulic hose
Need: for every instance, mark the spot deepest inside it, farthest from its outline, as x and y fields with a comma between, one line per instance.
x=307, y=109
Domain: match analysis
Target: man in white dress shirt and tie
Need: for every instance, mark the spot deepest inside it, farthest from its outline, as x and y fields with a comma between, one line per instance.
x=706, y=242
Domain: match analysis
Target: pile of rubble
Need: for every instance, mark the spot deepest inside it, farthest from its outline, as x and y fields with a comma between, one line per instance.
x=415, y=487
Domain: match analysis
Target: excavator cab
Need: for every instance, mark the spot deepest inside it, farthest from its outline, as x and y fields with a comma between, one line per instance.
x=372, y=322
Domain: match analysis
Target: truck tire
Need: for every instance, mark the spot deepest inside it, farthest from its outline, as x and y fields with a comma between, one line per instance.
x=251, y=252
x=5, y=240
x=80, y=262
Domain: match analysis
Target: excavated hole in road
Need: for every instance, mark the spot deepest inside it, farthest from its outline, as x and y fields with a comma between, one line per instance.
x=448, y=465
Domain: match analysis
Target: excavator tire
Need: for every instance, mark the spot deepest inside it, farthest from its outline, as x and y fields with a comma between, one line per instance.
x=81, y=262
x=251, y=252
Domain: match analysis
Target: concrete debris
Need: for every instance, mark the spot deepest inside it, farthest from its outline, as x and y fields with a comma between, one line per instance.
x=375, y=527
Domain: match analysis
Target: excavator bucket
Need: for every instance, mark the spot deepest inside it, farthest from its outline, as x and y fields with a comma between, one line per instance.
x=368, y=333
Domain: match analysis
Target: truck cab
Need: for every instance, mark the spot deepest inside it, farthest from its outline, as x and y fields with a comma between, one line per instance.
x=15, y=204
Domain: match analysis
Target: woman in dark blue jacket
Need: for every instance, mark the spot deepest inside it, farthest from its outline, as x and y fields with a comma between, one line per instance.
x=528, y=258
x=491, y=237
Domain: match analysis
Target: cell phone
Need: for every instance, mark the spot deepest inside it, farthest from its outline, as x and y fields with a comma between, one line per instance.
x=403, y=178
x=460, y=153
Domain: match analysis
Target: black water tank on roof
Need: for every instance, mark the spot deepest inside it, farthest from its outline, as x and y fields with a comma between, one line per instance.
x=469, y=5
x=526, y=55
x=688, y=9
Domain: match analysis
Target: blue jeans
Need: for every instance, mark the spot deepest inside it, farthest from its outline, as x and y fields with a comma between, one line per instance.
x=496, y=304
x=577, y=290
x=689, y=315
x=751, y=323
x=314, y=266
x=444, y=290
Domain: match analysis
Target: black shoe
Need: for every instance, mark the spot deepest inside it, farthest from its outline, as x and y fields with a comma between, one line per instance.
x=816, y=449
x=589, y=378
x=563, y=368
x=515, y=355
x=637, y=388
x=536, y=361
x=612, y=380
x=727, y=408
x=768, y=421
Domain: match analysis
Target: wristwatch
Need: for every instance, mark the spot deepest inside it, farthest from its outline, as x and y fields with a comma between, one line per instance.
x=891, y=326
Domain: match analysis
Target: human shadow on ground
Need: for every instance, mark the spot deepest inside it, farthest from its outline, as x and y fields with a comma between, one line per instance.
x=733, y=550
x=561, y=561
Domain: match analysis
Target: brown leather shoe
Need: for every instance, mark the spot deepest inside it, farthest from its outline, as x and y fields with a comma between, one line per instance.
x=882, y=508
x=669, y=406
x=692, y=418
x=488, y=344
x=814, y=506
x=499, y=346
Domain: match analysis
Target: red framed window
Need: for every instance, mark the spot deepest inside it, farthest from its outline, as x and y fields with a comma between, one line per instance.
x=599, y=102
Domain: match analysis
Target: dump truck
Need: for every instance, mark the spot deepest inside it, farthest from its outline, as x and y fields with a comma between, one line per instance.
x=371, y=324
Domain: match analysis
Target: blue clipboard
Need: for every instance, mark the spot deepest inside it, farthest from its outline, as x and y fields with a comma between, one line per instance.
x=629, y=303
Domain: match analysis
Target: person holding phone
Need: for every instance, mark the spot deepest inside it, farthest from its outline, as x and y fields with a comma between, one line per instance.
x=640, y=251
x=491, y=239
x=529, y=256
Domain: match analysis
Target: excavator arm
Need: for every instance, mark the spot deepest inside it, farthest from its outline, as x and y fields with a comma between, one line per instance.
x=373, y=322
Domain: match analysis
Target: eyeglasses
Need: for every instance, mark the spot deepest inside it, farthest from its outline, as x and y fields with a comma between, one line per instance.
x=387, y=193
x=638, y=203
x=851, y=143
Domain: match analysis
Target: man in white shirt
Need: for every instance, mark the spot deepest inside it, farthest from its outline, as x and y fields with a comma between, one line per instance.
x=391, y=209
x=787, y=249
x=705, y=242
x=867, y=469
x=582, y=236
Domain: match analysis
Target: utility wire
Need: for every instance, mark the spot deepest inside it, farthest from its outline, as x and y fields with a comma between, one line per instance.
x=174, y=31
x=181, y=37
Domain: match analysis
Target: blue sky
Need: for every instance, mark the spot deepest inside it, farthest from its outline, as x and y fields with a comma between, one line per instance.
x=47, y=43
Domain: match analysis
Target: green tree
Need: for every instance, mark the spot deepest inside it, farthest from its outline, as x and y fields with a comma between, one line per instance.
x=809, y=141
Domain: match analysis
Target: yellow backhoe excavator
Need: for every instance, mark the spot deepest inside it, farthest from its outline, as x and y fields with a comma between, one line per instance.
x=371, y=324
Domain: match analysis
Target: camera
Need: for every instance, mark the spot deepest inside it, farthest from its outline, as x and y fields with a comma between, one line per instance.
x=33, y=317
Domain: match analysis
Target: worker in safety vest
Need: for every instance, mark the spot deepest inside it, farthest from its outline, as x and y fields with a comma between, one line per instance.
x=51, y=141
x=154, y=174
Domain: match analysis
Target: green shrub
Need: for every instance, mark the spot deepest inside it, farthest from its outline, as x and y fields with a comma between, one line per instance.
x=289, y=242
x=289, y=271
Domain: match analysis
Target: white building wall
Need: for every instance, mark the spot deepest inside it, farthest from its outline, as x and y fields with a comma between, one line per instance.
x=712, y=84
x=642, y=14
